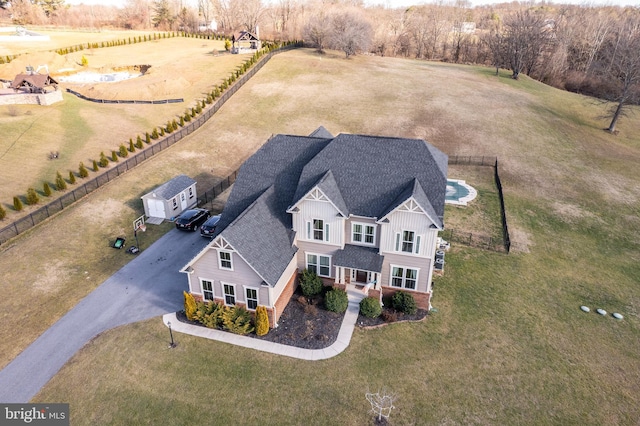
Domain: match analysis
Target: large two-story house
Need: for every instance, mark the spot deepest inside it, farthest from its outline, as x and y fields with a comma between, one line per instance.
x=357, y=210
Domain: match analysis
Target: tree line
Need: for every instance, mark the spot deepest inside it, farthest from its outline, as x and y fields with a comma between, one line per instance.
x=593, y=50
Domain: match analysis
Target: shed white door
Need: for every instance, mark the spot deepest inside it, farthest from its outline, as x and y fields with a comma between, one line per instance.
x=156, y=208
x=183, y=201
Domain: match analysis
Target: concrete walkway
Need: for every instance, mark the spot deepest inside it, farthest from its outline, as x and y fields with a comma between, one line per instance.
x=341, y=343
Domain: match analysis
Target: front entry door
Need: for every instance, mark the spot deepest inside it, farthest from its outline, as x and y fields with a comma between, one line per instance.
x=361, y=276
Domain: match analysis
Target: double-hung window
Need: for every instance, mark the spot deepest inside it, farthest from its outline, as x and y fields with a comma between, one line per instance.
x=224, y=258
x=319, y=264
x=251, y=295
x=207, y=290
x=404, y=277
x=229, y=294
x=408, y=242
x=318, y=230
x=363, y=233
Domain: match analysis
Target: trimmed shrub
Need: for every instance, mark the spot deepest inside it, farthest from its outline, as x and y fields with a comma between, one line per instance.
x=139, y=142
x=84, y=61
x=82, y=170
x=262, y=321
x=154, y=134
x=181, y=121
x=404, y=302
x=175, y=124
x=147, y=138
x=237, y=320
x=209, y=314
x=169, y=127
x=72, y=179
x=61, y=185
x=336, y=300
x=104, y=161
x=3, y=214
x=187, y=116
x=310, y=283
x=17, y=204
x=123, y=151
x=131, y=147
x=189, y=305
x=370, y=307
x=32, y=197
x=161, y=131
x=95, y=166
x=46, y=189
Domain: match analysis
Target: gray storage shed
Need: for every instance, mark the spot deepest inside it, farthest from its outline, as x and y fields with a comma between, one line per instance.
x=171, y=198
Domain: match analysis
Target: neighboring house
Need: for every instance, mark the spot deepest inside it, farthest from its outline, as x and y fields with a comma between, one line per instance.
x=171, y=198
x=32, y=82
x=245, y=42
x=355, y=209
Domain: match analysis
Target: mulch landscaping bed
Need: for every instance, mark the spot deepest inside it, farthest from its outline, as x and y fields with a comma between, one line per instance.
x=305, y=323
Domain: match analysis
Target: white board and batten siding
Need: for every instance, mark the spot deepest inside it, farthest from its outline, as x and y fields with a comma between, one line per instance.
x=400, y=221
x=316, y=209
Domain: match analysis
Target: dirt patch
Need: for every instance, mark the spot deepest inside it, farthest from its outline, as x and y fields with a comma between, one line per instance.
x=51, y=281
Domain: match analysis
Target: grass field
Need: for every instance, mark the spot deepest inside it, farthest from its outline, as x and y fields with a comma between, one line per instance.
x=79, y=130
x=508, y=345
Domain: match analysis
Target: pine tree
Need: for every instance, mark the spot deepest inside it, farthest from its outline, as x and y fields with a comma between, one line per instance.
x=61, y=185
x=32, y=197
x=104, y=161
x=147, y=138
x=139, y=142
x=169, y=127
x=123, y=151
x=72, y=178
x=154, y=134
x=131, y=147
x=3, y=212
x=181, y=121
x=46, y=189
x=83, y=171
x=114, y=156
x=95, y=166
x=17, y=204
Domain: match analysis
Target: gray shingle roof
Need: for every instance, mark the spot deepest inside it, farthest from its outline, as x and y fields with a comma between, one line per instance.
x=263, y=240
x=363, y=176
x=358, y=257
x=371, y=171
x=321, y=132
x=170, y=189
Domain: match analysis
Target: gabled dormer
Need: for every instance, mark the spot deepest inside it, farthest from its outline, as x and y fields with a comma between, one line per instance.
x=319, y=214
x=410, y=223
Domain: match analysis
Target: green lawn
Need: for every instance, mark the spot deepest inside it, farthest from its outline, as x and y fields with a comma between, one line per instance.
x=508, y=345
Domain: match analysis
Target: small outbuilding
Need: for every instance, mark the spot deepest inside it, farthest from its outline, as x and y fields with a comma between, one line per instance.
x=171, y=198
x=245, y=42
x=32, y=82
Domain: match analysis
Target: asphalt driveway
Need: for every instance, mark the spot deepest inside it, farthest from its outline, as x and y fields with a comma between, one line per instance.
x=148, y=286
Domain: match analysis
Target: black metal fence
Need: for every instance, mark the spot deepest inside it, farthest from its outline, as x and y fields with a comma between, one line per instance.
x=210, y=195
x=64, y=201
x=475, y=240
x=124, y=101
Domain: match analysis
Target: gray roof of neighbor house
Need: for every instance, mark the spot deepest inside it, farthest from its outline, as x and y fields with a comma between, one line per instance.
x=362, y=175
x=171, y=188
x=372, y=172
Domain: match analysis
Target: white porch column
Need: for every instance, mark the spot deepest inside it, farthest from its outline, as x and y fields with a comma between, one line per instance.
x=337, y=279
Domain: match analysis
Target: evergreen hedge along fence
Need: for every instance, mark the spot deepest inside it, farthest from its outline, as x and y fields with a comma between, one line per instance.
x=475, y=240
x=21, y=225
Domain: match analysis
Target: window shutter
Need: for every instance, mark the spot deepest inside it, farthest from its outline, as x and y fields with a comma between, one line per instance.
x=308, y=230
x=326, y=232
x=417, y=244
x=398, y=241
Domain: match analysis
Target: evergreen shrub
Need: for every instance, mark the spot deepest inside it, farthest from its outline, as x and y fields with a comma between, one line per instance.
x=310, y=283
x=370, y=307
x=336, y=300
x=17, y=204
x=404, y=302
x=262, y=321
x=32, y=197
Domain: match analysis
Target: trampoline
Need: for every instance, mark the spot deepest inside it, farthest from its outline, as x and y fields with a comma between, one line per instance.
x=459, y=192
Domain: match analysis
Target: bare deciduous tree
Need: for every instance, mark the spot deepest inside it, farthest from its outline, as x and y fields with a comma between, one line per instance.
x=318, y=30
x=351, y=32
x=618, y=62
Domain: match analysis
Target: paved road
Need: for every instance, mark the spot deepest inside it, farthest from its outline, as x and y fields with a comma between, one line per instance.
x=148, y=286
